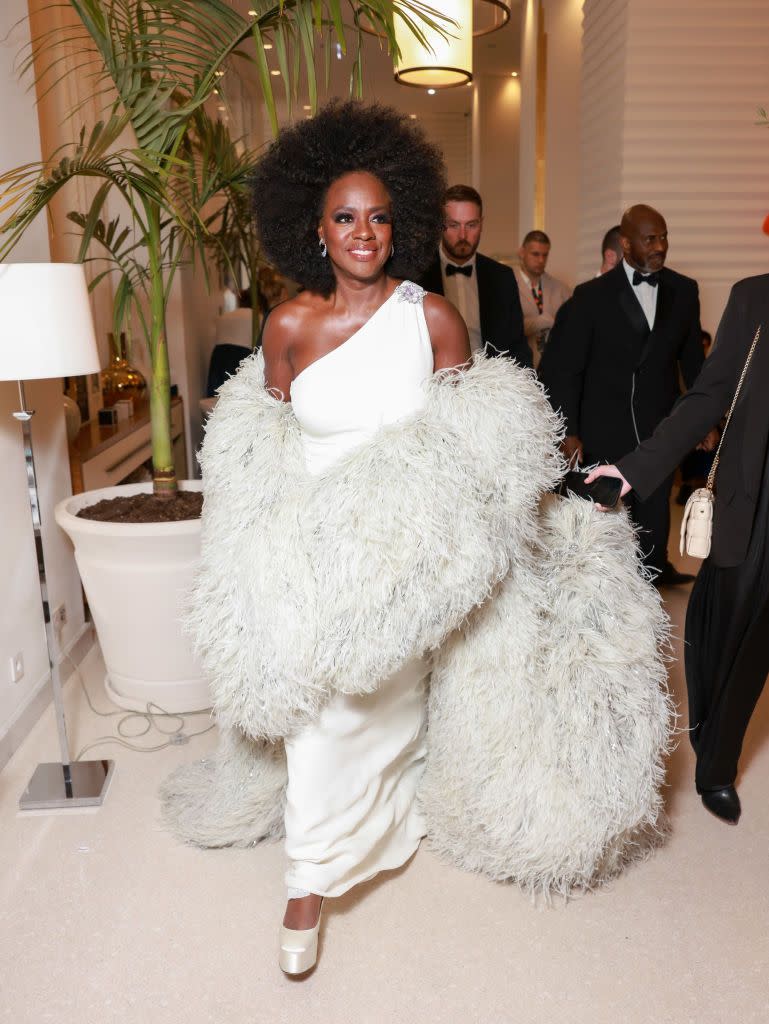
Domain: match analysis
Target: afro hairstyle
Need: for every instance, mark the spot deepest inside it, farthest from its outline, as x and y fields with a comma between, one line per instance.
x=291, y=180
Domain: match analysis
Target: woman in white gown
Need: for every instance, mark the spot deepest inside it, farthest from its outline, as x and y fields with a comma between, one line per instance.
x=367, y=511
x=352, y=357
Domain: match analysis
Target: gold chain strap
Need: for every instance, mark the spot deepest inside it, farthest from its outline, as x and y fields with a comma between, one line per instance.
x=714, y=467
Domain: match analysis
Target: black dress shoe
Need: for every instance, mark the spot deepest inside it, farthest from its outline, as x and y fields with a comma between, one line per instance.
x=671, y=577
x=724, y=803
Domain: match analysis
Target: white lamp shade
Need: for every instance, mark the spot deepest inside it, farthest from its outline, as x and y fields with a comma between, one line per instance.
x=447, y=62
x=46, y=328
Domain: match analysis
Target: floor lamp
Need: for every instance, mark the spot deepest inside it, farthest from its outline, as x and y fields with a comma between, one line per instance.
x=47, y=331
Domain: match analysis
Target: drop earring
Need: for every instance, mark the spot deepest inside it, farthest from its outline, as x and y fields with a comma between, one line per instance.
x=323, y=248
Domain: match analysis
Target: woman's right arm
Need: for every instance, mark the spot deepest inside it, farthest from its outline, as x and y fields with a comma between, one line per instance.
x=448, y=334
x=278, y=372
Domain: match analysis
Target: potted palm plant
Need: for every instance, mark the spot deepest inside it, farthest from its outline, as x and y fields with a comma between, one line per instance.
x=159, y=62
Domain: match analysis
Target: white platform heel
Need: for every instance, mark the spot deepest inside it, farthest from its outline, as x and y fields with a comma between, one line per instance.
x=299, y=949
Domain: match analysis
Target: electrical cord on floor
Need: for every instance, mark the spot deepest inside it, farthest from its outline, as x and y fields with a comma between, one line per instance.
x=150, y=719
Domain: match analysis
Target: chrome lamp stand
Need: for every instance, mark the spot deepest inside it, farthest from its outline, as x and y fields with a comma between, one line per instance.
x=67, y=783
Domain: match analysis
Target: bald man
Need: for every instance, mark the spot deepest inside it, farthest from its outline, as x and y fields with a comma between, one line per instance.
x=612, y=365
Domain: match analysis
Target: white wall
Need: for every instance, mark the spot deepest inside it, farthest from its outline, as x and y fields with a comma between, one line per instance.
x=602, y=127
x=697, y=71
x=21, y=621
x=496, y=128
x=563, y=25
x=561, y=22
x=689, y=77
x=528, y=117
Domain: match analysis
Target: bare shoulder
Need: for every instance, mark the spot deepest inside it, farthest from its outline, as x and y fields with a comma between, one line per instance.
x=285, y=321
x=448, y=333
x=440, y=314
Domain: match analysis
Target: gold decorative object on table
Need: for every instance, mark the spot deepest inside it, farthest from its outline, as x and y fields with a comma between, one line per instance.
x=120, y=379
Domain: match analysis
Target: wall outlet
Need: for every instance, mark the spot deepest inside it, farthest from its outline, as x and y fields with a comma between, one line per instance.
x=59, y=617
x=17, y=667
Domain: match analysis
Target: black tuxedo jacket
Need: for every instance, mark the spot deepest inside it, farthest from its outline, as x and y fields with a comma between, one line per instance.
x=613, y=378
x=744, y=452
x=499, y=305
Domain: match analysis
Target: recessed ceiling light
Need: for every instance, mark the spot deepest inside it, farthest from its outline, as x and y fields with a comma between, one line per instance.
x=220, y=107
x=268, y=46
x=219, y=74
x=431, y=92
x=307, y=107
x=413, y=117
x=275, y=71
x=514, y=74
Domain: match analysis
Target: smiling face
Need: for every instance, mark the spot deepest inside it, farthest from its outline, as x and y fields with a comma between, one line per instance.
x=356, y=225
x=644, y=238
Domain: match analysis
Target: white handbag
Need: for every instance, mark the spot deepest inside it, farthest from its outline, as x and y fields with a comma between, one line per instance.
x=697, y=523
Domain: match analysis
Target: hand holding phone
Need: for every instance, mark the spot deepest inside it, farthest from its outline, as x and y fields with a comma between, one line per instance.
x=604, y=490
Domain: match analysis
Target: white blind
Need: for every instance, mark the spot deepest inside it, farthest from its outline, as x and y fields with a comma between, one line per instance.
x=602, y=102
x=684, y=80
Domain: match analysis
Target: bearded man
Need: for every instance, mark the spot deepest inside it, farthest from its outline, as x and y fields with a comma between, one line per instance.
x=482, y=289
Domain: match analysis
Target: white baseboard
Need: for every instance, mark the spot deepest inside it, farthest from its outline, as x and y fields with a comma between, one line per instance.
x=21, y=725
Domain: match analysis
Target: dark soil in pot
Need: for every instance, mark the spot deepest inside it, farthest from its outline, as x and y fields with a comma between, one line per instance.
x=145, y=508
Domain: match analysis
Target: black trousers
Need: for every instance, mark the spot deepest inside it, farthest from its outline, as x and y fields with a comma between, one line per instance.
x=727, y=651
x=653, y=519
x=727, y=661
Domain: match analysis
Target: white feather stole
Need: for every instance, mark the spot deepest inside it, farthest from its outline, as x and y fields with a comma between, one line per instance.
x=548, y=717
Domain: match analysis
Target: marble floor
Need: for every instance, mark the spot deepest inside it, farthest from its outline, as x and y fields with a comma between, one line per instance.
x=104, y=919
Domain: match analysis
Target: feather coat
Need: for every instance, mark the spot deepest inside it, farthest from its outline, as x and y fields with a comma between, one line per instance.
x=548, y=712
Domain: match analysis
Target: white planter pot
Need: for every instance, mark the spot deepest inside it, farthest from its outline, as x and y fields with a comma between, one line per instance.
x=135, y=576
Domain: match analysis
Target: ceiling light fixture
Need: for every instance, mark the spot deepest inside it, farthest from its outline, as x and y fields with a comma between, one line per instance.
x=444, y=62
x=490, y=16
x=275, y=71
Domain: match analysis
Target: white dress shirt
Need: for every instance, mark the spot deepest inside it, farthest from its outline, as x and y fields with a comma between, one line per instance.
x=462, y=293
x=646, y=295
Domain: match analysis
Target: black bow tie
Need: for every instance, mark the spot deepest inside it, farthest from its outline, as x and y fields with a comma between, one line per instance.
x=652, y=279
x=452, y=268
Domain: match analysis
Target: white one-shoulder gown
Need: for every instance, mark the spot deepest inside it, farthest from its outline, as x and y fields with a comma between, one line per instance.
x=353, y=774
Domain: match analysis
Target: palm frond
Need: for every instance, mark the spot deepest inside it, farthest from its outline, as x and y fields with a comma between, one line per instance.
x=155, y=63
x=28, y=190
x=153, y=50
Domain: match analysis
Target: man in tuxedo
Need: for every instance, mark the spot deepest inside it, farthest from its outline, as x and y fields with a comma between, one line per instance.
x=612, y=362
x=483, y=290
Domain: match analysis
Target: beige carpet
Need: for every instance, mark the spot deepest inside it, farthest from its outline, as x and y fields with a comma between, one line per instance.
x=103, y=918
